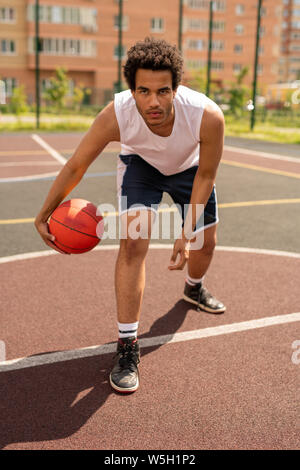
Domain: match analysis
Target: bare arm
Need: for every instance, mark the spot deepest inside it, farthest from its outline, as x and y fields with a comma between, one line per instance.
x=211, y=141
x=105, y=129
x=211, y=148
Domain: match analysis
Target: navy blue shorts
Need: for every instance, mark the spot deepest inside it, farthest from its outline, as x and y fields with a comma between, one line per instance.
x=143, y=185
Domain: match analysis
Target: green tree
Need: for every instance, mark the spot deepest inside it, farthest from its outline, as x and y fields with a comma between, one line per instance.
x=79, y=94
x=198, y=81
x=238, y=94
x=18, y=101
x=57, y=89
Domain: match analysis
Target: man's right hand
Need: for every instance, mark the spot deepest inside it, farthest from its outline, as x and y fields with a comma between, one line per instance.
x=43, y=229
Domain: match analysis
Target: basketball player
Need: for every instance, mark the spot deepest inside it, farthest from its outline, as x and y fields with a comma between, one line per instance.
x=171, y=141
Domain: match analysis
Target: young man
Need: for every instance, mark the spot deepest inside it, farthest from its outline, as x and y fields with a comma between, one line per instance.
x=171, y=141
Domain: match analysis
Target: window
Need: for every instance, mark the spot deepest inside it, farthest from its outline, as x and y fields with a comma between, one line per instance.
x=45, y=14
x=239, y=29
x=196, y=24
x=218, y=45
x=215, y=65
x=200, y=45
x=218, y=5
x=125, y=22
x=218, y=26
x=64, y=15
x=198, y=4
x=195, y=64
x=238, y=48
x=157, y=25
x=88, y=17
x=68, y=47
x=262, y=31
x=263, y=11
x=7, y=47
x=56, y=15
x=196, y=44
x=75, y=16
x=46, y=83
x=10, y=84
x=236, y=68
x=239, y=9
x=116, y=52
x=7, y=15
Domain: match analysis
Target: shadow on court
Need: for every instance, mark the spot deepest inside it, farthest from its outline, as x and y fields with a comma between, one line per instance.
x=51, y=402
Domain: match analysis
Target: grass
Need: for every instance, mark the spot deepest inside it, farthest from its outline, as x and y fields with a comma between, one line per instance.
x=264, y=131
x=281, y=130
x=48, y=122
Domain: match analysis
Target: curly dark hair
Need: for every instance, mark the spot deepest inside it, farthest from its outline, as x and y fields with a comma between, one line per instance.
x=153, y=54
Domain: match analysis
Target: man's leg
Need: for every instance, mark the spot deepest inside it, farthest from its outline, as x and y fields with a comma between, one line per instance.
x=129, y=286
x=130, y=279
x=198, y=264
x=200, y=259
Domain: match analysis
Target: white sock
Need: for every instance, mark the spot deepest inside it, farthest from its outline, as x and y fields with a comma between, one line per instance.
x=192, y=281
x=128, y=329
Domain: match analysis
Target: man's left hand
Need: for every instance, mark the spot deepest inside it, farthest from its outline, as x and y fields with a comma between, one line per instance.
x=180, y=248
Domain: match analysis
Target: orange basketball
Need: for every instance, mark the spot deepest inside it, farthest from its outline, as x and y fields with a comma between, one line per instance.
x=76, y=226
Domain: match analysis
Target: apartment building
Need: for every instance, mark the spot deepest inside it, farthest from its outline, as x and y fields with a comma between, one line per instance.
x=82, y=36
x=233, y=39
x=289, y=64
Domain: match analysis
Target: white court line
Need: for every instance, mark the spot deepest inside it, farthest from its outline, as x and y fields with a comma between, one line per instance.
x=15, y=179
x=167, y=246
x=51, y=358
x=62, y=356
x=257, y=153
x=49, y=149
x=28, y=163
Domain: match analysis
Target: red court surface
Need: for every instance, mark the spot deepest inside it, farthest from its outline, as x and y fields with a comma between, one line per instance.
x=219, y=390
x=228, y=381
x=21, y=156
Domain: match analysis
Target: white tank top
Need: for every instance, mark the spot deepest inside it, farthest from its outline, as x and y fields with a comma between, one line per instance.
x=171, y=154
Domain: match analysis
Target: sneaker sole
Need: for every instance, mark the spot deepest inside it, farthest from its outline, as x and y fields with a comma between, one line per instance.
x=202, y=307
x=124, y=390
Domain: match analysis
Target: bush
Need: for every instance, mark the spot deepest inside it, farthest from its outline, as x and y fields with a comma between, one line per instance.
x=18, y=102
x=58, y=88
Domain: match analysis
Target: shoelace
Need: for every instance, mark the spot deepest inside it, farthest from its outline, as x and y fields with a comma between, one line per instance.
x=128, y=357
x=201, y=289
x=198, y=300
x=202, y=292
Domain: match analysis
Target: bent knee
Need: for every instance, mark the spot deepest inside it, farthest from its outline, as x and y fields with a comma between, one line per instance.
x=134, y=249
x=210, y=241
x=205, y=241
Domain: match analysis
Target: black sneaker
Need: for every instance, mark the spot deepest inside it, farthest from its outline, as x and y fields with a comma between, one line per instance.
x=199, y=295
x=124, y=376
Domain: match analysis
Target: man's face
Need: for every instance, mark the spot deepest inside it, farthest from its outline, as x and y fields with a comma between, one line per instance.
x=154, y=96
